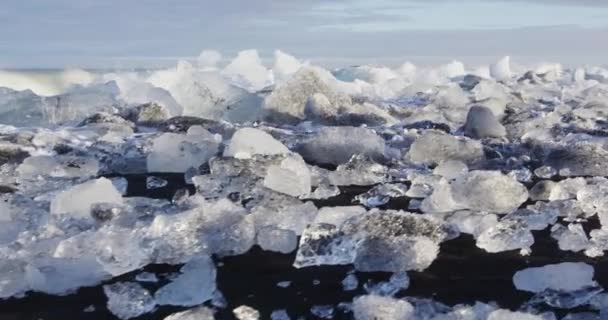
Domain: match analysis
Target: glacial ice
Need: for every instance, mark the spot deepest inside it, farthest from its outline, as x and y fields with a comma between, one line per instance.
x=194, y=285
x=128, y=300
x=275, y=152
x=567, y=276
x=372, y=307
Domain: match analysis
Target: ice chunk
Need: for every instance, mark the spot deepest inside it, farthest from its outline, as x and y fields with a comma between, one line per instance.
x=173, y=152
x=195, y=284
x=567, y=276
x=397, y=282
x=148, y=114
x=128, y=300
x=246, y=313
x=291, y=177
x=472, y=222
x=213, y=227
x=146, y=277
x=247, y=142
x=373, y=307
x=504, y=236
x=278, y=240
x=87, y=194
x=284, y=66
x=501, y=70
x=434, y=147
x=481, y=123
x=502, y=314
x=198, y=313
x=58, y=167
x=324, y=191
x=360, y=170
x=287, y=101
x=121, y=184
x=350, y=282
x=581, y=158
x=155, y=183
x=336, y=145
x=279, y=315
x=451, y=169
x=247, y=71
x=478, y=190
x=572, y=238
x=323, y=311
x=338, y=215
x=377, y=241
x=565, y=300
x=381, y=194
x=209, y=59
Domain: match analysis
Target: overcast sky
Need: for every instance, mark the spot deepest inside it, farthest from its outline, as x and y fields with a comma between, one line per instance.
x=126, y=33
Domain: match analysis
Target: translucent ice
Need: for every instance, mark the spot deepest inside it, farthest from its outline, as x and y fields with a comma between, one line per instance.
x=278, y=240
x=246, y=313
x=291, y=177
x=198, y=313
x=87, y=194
x=567, y=276
x=504, y=236
x=434, y=147
x=481, y=123
x=128, y=300
x=195, y=284
x=373, y=307
x=250, y=141
x=336, y=145
x=502, y=314
x=173, y=152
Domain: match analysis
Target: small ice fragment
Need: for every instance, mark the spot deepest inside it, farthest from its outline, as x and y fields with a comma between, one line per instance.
x=146, y=277
x=325, y=191
x=545, y=172
x=277, y=240
x=246, y=313
x=90, y=308
x=572, y=238
x=279, y=315
x=323, y=311
x=397, y=282
x=350, y=282
x=195, y=284
x=381, y=194
x=128, y=300
x=371, y=307
x=153, y=182
x=198, y=313
x=502, y=314
x=283, y=284
x=565, y=300
x=316, y=282
x=567, y=276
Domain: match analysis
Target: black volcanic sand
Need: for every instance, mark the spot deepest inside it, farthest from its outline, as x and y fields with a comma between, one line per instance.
x=462, y=273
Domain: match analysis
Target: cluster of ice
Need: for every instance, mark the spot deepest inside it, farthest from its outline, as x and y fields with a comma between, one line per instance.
x=496, y=152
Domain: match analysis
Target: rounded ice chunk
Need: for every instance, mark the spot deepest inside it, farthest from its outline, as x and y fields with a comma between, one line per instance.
x=434, y=147
x=501, y=70
x=251, y=141
x=567, y=276
x=489, y=191
x=78, y=200
x=481, y=123
x=336, y=145
x=373, y=307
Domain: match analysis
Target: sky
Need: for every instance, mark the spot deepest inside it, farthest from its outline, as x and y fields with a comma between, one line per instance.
x=136, y=33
